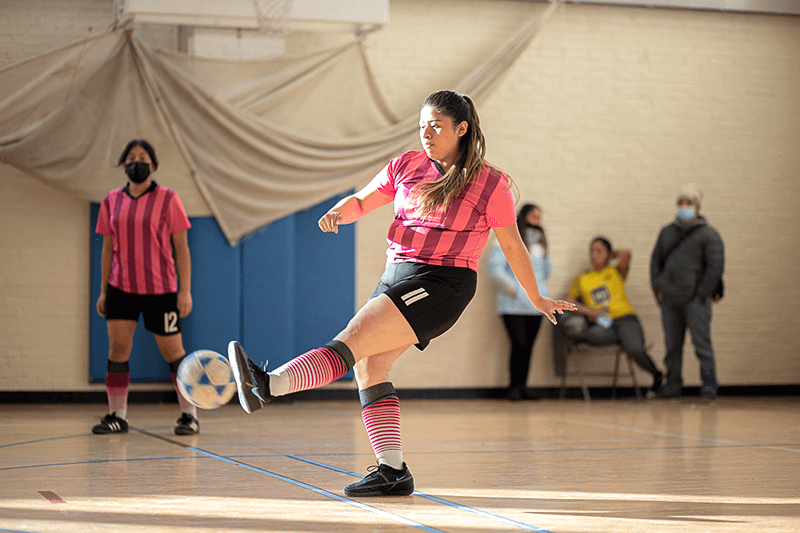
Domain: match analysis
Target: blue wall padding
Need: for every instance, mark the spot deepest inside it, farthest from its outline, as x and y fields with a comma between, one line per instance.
x=268, y=295
x=216, y=316
x=324, y=288
x=281, y=291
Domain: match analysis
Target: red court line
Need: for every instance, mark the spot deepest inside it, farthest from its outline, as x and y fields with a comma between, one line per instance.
x=52, y=497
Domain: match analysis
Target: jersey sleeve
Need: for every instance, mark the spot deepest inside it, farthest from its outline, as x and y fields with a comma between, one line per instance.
x=177, y=215
x=500, y=209
x=385, y=179
x=104, y=218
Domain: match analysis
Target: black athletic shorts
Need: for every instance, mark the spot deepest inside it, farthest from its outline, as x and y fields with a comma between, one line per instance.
x=160, y=311
x=430, y=297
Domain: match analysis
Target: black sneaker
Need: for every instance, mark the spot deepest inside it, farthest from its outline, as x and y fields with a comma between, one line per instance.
x=111, y=423
x=658, y=379
x=187, y=425
x=383, y=480
x=252, y=383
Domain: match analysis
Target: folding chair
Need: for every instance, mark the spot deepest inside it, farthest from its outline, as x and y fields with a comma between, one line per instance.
x=577, y=351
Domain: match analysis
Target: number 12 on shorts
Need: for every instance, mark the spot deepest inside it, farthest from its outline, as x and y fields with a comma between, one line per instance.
x=171, y=322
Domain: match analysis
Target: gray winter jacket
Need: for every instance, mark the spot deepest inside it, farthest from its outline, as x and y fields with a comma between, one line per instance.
x=693, y=268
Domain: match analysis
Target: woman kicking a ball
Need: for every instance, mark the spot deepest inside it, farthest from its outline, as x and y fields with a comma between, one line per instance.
x=446, y=199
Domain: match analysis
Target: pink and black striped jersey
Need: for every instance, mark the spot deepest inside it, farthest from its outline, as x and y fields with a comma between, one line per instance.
x=141, y=229
x=455, y=238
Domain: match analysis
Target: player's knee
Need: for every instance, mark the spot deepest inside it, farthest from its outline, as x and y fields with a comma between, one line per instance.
x=119, y=352
x=367, y=371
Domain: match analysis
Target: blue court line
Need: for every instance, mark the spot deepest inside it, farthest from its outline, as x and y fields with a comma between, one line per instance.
x=465, y=452
x=549, y=450
x=726, y=441
x=42, y=440
x=485, y=514
x=13, y=531
x=450, y=444
x=96, y=461
x=319, y=491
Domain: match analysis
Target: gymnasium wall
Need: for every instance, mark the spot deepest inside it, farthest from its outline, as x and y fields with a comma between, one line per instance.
x=599, y=121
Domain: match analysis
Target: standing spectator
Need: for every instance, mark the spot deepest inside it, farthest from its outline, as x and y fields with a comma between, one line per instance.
x=142, y=224
x=520, y=317
x=685, y=270
x=600, y=295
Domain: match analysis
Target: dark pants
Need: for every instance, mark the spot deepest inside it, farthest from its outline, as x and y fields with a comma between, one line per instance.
x=627, y=331
x=522, y=331
x=696, y=316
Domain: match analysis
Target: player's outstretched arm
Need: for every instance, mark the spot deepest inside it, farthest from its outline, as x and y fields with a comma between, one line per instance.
x=349, y=209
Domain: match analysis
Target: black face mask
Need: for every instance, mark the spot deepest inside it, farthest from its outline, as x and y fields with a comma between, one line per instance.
x=137, y=172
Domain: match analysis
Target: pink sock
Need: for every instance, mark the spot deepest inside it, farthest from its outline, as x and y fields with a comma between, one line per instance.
x=117, y=388
x=312, y=369
x=185, y=405
x=382, y=420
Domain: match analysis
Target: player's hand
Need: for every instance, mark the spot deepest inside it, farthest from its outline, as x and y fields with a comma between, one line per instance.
x=101, y=305
x=184, y=303
x=330, y=222
x=549, y=307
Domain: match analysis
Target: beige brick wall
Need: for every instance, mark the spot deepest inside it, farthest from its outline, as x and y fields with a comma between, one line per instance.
x=44, y=266
x=601, y=119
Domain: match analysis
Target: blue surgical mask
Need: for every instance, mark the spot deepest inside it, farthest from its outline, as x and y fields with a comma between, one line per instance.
x=686, y=214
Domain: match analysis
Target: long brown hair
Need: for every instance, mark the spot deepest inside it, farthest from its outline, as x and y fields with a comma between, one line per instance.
x=440, y=193
x=523, y=224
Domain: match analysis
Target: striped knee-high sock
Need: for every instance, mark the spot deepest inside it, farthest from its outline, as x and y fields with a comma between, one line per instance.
x=381, y=414
x=185, y=405
x=312, y=369
x=118, y=379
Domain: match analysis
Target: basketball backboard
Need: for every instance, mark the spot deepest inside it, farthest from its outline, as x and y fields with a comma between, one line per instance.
x=244, y=13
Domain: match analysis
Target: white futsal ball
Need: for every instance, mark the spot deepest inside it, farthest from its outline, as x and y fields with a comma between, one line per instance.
x=206, y=380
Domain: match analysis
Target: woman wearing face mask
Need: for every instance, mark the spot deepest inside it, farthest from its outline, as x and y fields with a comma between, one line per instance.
x=520, y=317
x=142, y=224
x=600, y=295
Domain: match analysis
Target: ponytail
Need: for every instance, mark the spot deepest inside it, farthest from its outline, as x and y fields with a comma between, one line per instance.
x=441, y=193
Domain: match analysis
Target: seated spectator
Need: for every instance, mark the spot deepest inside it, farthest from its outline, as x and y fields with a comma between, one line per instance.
x=599, y=294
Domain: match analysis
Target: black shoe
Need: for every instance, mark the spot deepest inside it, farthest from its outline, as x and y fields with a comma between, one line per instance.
x=661, y=395
x=111, y=424
x=514, y=394
x=187, y=425
x=383, y=480
x=252, y=383
x=658, y=378
x=708, y=394
x=519, y=392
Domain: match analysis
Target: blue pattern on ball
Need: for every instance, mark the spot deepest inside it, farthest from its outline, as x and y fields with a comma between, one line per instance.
x=205, y=379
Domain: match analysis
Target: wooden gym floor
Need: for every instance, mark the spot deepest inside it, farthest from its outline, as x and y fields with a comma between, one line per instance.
x=479, y=465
